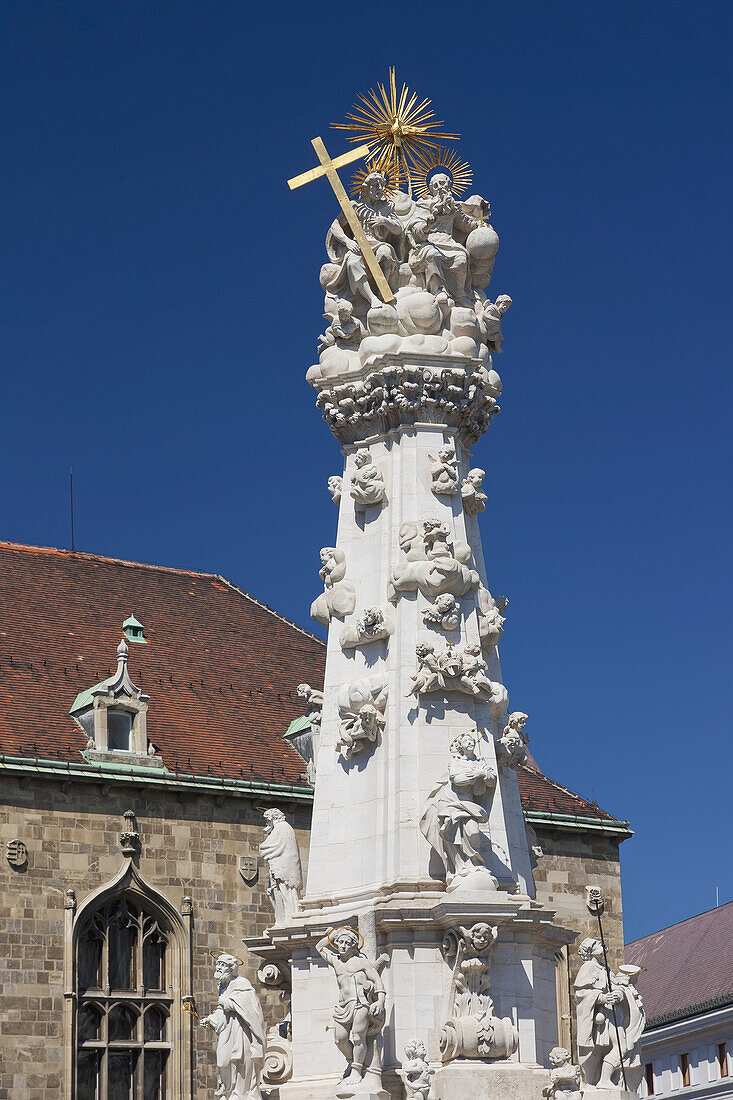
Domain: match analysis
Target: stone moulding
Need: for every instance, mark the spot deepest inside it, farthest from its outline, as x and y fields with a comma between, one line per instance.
x=411, y=389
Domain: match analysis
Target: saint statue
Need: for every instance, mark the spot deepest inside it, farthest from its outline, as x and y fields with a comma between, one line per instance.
x=240, y=1027
x=359, y=1013
x=452, y=815
x=346, y=276
x=599, y=1049
x=280, y=849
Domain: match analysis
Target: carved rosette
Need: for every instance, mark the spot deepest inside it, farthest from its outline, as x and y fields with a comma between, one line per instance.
x=409, y=389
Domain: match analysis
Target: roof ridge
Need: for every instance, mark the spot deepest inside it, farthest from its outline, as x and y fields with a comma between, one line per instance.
x=27, y=547
x=666, y=928
x=86, y=555
x=270, y=610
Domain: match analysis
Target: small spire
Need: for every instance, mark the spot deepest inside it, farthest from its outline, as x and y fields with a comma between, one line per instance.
x=122, y=651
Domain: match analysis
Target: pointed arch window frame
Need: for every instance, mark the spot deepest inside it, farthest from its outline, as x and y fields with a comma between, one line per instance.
x=129, y=883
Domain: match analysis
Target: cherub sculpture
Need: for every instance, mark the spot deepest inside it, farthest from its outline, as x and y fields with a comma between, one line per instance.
x=313, y=700
x=335, y=488
x=416, y=1071
x=565, y=1078
x=367, y=483
x=434, y=565
x=490, y=618
x=445, y=612
x=359, y=1012
x=473, y=496
x=429, y=676
x=361, y=707
x=492, y=315
x=359, y=730
x=510, y=748
x=456, y=669
x=344, y=329
x=373, y=625
x=444, y=471
x=339, y=595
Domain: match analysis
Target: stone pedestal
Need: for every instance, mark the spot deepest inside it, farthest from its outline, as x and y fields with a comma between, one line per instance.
x=469, y=1080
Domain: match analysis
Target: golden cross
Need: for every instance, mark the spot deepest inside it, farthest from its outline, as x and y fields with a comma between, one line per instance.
x=329, y=170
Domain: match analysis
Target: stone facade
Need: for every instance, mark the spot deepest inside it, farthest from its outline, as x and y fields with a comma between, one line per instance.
x=190, y=846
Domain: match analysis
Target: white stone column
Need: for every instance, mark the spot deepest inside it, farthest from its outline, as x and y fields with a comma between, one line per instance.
x=370, y=866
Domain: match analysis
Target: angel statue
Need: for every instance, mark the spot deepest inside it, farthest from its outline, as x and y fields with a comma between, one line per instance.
x=240, y=1029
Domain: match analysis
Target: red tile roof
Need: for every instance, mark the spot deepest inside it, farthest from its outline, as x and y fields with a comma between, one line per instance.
x=689, y=966
x=220, y=668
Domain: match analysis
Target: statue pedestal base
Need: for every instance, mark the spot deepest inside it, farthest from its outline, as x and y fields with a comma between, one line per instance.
x=330, y=1088
x=593, y=1092
x=474, y=1080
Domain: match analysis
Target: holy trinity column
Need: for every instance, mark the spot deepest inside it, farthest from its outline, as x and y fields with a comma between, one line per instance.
x=418, y=927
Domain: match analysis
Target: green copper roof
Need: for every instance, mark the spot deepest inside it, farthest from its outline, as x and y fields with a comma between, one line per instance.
x=298, y=724
x=86, y=698
x=133, y=630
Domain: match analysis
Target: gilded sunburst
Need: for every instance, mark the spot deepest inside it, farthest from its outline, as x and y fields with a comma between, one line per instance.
x=398, y=128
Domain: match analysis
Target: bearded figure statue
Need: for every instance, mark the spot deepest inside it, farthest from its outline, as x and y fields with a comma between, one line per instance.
x=346, y=275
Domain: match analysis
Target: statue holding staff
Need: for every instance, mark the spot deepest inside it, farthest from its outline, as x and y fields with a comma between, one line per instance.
x=240, y=1029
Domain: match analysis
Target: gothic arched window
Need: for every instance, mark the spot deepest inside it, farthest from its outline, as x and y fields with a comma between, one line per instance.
x=124, y=1034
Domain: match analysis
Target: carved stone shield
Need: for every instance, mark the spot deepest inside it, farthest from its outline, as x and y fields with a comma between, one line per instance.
x=17, y=853
x=249, y=869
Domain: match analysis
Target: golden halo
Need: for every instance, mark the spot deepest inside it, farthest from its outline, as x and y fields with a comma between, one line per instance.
x=390, y=169
x=345, y=928
x=215, y=955
x=466, y=733
x=445, y=160
x=394, y=126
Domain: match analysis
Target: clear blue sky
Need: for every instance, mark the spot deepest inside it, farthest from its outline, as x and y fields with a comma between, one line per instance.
x=160, y=307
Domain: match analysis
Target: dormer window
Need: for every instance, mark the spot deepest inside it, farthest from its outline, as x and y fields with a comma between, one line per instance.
x=113, y=715
x=134, y=631
x=119, y=730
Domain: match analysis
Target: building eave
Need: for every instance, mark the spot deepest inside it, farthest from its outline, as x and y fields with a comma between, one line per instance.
x=610, y=826
x=136, y=775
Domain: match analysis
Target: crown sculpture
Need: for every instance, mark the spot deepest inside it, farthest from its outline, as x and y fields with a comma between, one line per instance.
x=418, y=958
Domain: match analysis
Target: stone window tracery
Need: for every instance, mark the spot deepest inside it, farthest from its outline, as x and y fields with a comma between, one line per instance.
x=124, y=1003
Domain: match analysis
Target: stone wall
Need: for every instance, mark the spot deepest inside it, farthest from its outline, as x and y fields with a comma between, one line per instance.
x=571, y=861
x=190, y=845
